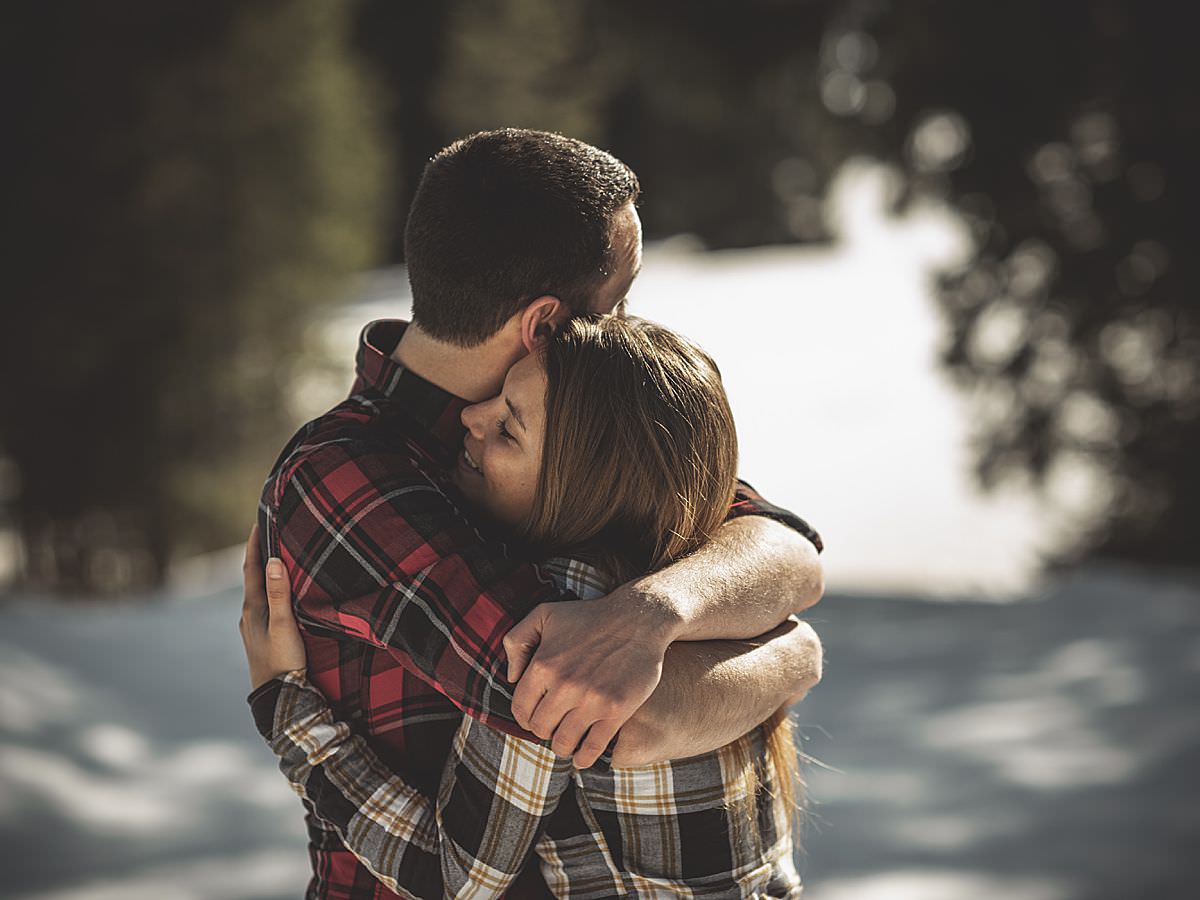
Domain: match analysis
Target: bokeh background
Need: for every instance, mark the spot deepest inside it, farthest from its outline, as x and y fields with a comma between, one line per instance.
x=940, y=249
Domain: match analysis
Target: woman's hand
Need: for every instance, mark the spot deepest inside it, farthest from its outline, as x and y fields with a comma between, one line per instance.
x=269, y=631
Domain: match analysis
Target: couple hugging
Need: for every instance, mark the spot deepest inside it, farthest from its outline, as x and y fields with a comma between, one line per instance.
x=522, y=631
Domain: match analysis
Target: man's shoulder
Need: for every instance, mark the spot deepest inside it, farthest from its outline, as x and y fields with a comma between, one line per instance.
x=357, y=507
x=347, y=450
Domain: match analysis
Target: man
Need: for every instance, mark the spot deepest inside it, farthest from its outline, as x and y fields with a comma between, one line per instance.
x=410, y=616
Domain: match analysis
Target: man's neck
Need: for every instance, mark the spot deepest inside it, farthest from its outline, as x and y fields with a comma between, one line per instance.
x=472, y=373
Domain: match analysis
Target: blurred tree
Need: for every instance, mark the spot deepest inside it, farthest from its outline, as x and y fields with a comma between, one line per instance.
x=718, y=114
x=1063, y=134
x=405, y=44
x=187, y=180
x=527, y=63
x=1067, y=135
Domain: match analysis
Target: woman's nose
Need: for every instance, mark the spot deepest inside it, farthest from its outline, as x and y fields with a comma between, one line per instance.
x=473, y=417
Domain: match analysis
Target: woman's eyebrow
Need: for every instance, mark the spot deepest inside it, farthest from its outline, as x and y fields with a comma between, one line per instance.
x=516, y=414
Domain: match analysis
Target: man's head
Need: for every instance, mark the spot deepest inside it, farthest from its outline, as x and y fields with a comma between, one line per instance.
x=503, y=218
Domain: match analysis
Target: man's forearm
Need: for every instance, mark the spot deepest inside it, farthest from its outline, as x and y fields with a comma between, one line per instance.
x=751, y=576
x=713, y=692
x=584, y=668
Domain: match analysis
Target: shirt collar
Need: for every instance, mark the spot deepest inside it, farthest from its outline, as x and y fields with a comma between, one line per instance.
x=427, y=414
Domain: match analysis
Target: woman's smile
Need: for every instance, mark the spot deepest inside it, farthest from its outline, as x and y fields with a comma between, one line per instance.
x=470, y=461
x=502, y=449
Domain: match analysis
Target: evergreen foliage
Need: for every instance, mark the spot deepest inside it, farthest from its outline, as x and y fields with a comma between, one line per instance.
x=187, y=180
x=190, y=180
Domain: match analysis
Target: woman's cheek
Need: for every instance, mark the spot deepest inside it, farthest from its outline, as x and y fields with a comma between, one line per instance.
x=528, y=494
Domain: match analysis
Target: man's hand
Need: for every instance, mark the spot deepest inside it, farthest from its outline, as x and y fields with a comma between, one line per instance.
x=270, y=635
x=584, y=667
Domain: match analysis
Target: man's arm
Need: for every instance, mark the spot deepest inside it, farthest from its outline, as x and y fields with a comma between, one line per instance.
x=752, y=575
x=713, y=692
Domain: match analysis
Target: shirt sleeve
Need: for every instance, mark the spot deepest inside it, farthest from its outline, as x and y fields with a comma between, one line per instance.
x=376, y=551
x=749, y=502
x=497, y=792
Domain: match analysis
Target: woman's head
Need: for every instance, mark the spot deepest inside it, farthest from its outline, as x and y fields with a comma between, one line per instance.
x=616, y=442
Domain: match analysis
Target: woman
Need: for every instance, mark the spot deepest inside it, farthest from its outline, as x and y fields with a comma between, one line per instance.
x=613, y=452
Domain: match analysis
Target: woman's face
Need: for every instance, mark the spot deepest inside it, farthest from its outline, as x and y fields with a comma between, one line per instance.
x=502, y=452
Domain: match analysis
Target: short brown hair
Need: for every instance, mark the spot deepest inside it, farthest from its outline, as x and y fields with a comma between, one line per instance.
x=503, y=217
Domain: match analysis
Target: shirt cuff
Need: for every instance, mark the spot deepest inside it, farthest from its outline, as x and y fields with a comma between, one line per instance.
x=264, y=701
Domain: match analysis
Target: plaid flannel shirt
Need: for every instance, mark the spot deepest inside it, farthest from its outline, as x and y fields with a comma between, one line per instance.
x=402, y=603
x=678, y=828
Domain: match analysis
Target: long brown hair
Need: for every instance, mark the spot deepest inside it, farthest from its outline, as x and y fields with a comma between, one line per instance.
x=639, y=466
x=639, y=461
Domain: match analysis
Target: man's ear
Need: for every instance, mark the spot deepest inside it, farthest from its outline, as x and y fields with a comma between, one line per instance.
x=539, y=320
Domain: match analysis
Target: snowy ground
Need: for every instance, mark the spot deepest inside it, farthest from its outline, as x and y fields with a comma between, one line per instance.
x=1042, y=750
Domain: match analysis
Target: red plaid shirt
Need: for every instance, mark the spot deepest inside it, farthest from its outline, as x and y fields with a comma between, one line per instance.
x=403, y=604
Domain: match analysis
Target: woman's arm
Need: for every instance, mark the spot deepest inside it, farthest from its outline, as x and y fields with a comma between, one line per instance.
x=494, y=788
x=388, y=825
x=496, y=791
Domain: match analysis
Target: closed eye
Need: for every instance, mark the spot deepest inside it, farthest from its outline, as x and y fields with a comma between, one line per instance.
x=504, y=432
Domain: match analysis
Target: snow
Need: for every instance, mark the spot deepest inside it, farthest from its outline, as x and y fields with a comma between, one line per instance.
x=129, y=766
x=1044, y=749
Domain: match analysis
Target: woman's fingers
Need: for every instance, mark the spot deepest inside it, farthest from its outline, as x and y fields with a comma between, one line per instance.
x=254, y=595
x=279, y=590
x=253, y=560
x=285, y=644
x=270, y=636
